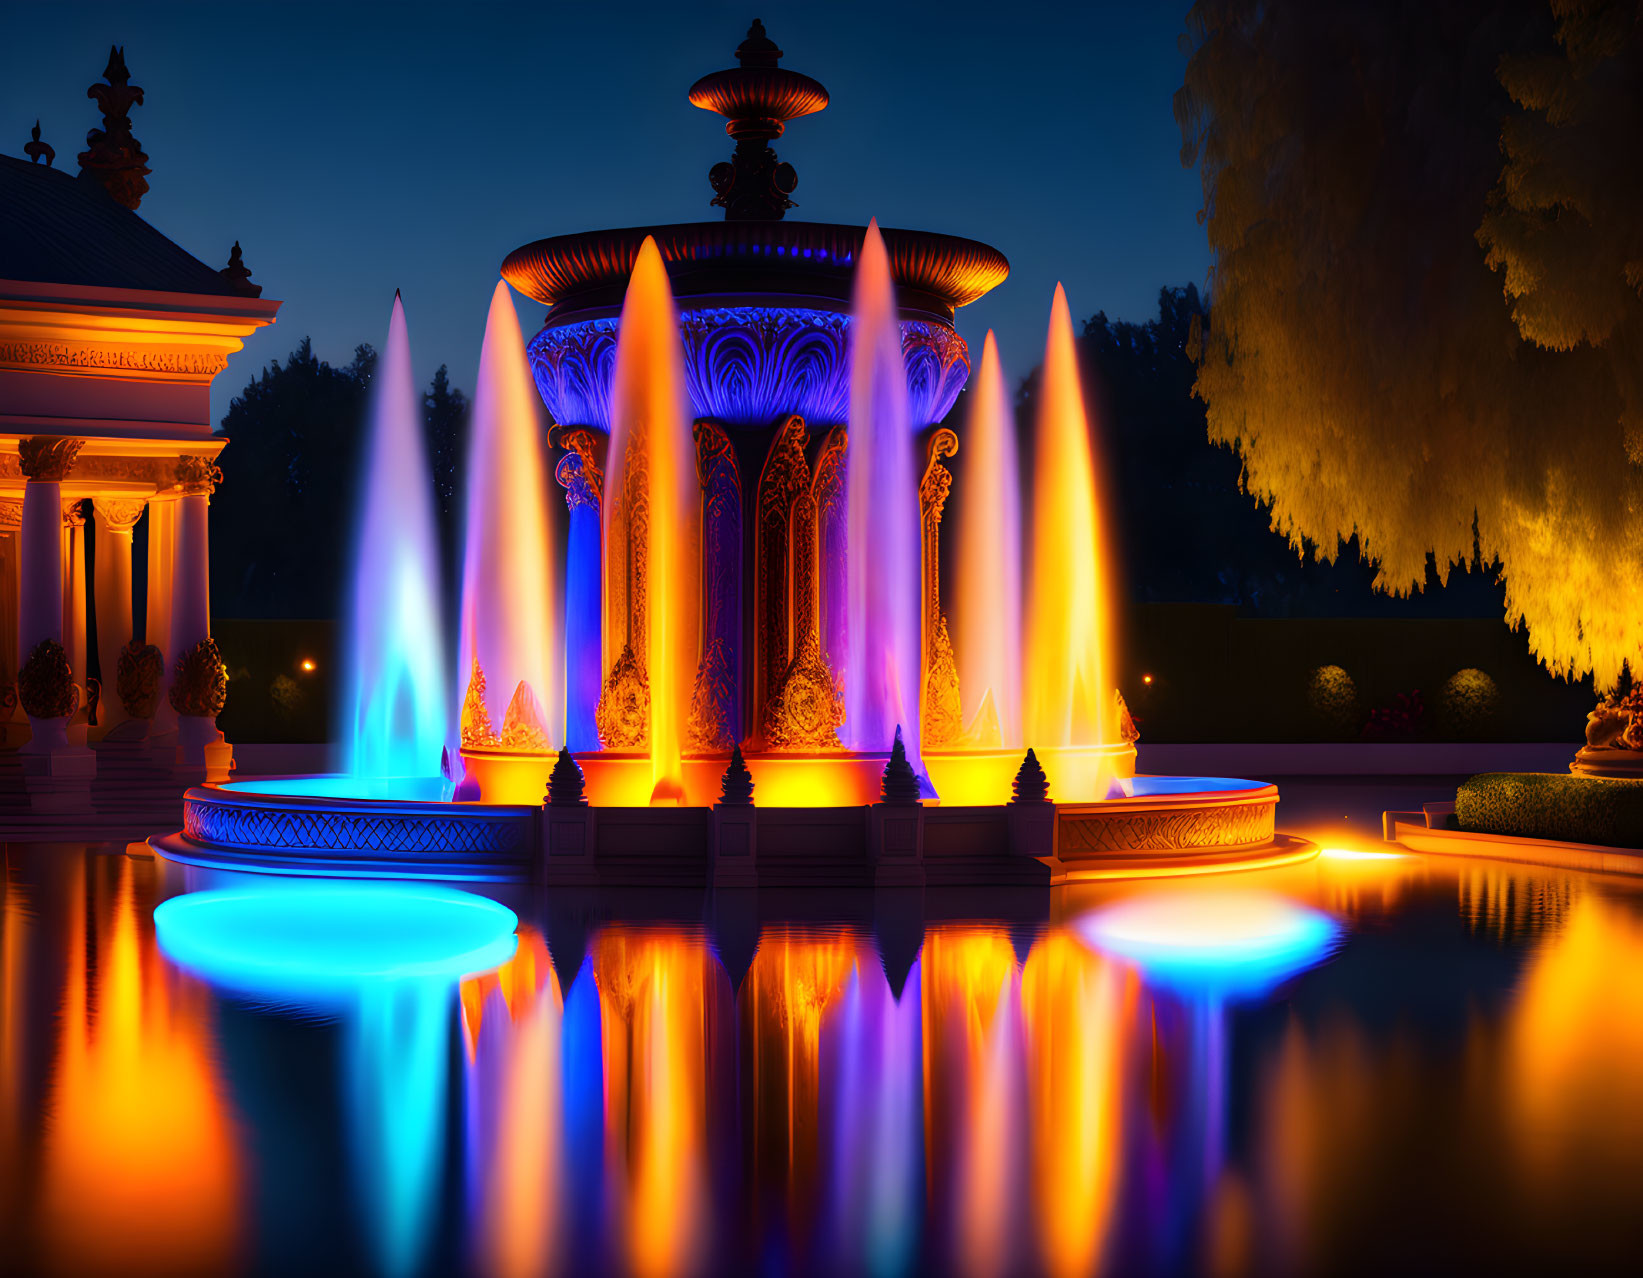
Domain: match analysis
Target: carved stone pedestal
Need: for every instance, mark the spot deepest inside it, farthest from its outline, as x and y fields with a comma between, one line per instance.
x=1032, y=828
x=568, y=840
x=895, y=844
x=734, y=839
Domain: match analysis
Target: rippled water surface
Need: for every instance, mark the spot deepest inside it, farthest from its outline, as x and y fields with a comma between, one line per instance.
x=1356, y=1065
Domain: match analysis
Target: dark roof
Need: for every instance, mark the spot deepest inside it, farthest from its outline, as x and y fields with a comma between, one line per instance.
x=59, y=229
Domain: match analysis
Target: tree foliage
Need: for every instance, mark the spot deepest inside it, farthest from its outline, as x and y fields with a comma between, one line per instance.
x=1409, y=343
x=284, y=515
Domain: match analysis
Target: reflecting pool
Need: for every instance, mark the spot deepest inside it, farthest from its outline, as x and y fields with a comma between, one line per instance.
x=1361, y=1064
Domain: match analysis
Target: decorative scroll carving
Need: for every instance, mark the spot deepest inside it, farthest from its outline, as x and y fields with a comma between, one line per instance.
x=749, y=366
x=74, y=513
x=97, y=355
x=198, y=474
x=48, y=458
x=942, y=720
x=786, y=477
x=715, y=720
x=585, y=446
x=623, y=714
x=11, y=515
x=119, y=513
x=476, y=719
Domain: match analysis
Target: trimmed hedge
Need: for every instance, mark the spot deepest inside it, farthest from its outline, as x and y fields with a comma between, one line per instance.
x=1551, y=805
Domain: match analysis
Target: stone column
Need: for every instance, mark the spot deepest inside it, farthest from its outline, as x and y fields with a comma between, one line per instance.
x=74, y=611
x=111, y=594
x=197, y=477
x=162, y=543
x=11, y=523
x=46, y=460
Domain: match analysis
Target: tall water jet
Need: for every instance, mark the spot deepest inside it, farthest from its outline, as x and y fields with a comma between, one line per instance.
x=653, y=526
x=882, y=668
x=989, y=558
x=1067, y=689
x=511, y=666
x=395, y=690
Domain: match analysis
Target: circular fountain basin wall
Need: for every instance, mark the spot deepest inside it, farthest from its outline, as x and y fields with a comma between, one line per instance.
x=342, y=826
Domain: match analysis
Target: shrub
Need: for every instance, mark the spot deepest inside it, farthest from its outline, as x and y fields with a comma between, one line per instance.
x=1334, y=698
x=1468, y=703
x=1551, y=805
x=45, y=684
x=199, y=685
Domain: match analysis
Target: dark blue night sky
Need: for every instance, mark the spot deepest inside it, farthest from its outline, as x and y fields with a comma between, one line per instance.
x=358, y=148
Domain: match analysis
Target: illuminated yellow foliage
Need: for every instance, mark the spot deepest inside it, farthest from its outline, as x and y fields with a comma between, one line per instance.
x=1361, y=354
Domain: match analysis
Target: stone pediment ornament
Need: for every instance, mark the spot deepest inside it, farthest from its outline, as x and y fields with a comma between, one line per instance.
x=238, y=274
x=198, y=474
x=47, y=459
x=37, y=150
x=112, y=155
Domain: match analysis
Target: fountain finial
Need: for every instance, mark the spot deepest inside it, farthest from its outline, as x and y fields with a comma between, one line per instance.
x=736, y=787
x=565, y=783
x=758, y=50
x=757, y=98
x=1031, y=785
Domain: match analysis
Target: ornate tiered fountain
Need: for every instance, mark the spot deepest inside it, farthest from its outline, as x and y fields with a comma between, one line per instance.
x=749, y=418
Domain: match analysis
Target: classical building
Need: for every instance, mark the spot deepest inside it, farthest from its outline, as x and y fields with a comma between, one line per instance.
x=110, y=336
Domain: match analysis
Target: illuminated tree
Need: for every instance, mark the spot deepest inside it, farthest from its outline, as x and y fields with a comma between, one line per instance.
x=1361, y=353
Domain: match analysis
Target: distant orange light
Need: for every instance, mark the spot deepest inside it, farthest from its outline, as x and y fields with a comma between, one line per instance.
x=307, y=665
x=1146, y=678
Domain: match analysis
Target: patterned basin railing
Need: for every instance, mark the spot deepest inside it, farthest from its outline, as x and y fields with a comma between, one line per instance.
x=384, y=837
x=1169, y=825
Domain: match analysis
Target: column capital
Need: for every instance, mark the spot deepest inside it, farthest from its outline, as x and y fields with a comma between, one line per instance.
x=47, y=459
x=118, y=514
x=197, y=474
x=74, y=513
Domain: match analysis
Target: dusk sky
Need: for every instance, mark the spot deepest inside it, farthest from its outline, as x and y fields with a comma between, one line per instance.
x=354, y=149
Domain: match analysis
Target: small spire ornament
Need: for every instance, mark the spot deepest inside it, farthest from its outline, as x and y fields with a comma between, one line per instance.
x=1031, y=785
x=736, y=787
x=37, y=150
x=899, y=787
x=565, y=788
x=238, y=274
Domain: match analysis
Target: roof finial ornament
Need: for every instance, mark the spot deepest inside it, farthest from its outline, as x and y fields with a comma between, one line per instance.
x=759, y=98
x=238, y=274
x=112, y=155
x=37, y=149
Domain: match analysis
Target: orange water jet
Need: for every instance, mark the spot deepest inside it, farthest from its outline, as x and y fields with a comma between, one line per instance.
x=989, y=549
x=1067, y=685
x=508, y=564
x=653, y=516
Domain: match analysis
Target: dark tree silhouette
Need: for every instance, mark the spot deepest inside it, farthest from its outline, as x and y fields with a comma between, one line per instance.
x=283, y=519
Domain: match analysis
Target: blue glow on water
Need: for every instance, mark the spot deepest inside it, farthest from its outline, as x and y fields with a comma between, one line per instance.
x=299, y=938
x=1216, y=944
x=1146, y=787
x=384, y=960
x=393, y=706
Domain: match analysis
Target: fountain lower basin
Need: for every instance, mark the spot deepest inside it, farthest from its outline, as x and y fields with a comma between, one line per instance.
x=406, y=828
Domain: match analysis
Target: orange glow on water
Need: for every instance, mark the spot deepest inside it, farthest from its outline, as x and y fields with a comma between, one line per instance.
x=1067, y=685
x=1078, y=1010
x=509, y=564
x=514, y=1019
x=653, y=992
x=989, y=587
x=140, y=1172
x=972, y=1035
x=650, y=420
